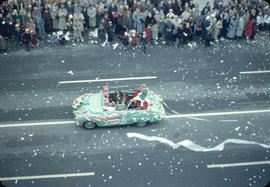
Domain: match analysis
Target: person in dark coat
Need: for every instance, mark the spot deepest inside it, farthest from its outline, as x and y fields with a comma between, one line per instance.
x=113, y=14
x=3, y=44
x=110, y=31
x=101, y=33
x=179, y=35
x=26, y=38
x=167, y=30
x=48, y=21
x=187, y=34
x=143, y=41
x=117, y=97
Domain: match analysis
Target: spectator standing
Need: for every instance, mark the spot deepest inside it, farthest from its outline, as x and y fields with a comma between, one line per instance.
x=113, y=14
x=266, y=21
x=135, y=18
x=92, y=12
x=143, y=42
x=3, y=44
x=141, y=22
x=127, y=18
x=148, y=32
x=47, y=19
x=40, y=27
x=155, y=33
x=217, y=28
x=78, y=25
x=240, y=28
x=62, y=14
x=26, y=38
x=232, y=28
x=54, y=13
x=249, y=29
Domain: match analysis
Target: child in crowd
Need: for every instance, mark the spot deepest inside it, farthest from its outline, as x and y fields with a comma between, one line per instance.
x=148, y=32
x=54, y=39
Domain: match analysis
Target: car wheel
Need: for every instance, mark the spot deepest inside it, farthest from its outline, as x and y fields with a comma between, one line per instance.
x=89, y=125
x=141, y=124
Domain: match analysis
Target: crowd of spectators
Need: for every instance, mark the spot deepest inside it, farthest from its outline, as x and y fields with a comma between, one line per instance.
x=175, y=22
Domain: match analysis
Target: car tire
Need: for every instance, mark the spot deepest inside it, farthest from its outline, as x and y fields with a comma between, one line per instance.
x=141, y=124
x=89, y=125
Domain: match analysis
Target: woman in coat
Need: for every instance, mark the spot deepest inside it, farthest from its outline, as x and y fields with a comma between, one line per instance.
x=232, y=28
x=141, y=22
x=62, y=13
x=240, y=28
x=78, y=25
x=127, y=19
x=54, y=13
x=217, y=28
x=92, y=12
x=249, y=28
x=40, y=27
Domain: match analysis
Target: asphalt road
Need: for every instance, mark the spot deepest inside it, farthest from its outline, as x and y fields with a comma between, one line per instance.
x=177, y=151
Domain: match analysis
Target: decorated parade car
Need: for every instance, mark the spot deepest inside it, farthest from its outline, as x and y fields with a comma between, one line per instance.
x=113, y=107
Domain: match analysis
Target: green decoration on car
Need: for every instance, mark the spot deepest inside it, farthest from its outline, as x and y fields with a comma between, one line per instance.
x=99, y=109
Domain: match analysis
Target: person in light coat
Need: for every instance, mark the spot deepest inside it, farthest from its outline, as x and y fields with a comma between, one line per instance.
x=232, y=27
x=266, y=21
x=62, y=13
x=141, y=22
x=135, y=17
x=78, y=19
x=92, y=12
x=240, y=28
x=217, y=27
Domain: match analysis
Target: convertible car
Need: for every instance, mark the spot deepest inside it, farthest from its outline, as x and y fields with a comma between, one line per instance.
x=99, y=110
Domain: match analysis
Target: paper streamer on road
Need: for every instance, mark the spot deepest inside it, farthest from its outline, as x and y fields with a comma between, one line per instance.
x=192, y=146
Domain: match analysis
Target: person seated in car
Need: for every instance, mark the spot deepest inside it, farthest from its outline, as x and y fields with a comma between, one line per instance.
x=140, y=98
x=117, y=97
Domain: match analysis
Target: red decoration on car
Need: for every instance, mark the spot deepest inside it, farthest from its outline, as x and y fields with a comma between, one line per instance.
x=106, y=88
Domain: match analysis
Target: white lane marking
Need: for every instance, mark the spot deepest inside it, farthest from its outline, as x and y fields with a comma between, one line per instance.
x=228, y=120
x=199, y=119
x=192, y=146
x=104, y=80
x=254, y=72
x=238, y=164
x=47, y=176
x=37, y=124
x=218, y=113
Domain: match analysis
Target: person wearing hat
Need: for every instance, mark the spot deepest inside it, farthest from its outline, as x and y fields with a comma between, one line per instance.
x=26, y=38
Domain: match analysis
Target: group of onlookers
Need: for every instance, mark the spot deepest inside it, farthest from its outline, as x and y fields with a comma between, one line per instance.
x=131, y=21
